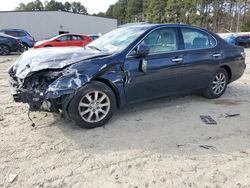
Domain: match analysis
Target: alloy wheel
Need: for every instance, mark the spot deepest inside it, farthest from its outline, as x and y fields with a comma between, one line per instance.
x=219, y=83
x=4, y=50
x=94, y=106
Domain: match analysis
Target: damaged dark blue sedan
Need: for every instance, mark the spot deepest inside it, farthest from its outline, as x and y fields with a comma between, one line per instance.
x=133, y=63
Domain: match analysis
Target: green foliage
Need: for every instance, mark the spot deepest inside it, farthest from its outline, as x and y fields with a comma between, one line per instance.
x=119, y=11
x=134, y=10
x=246, y=26
x=34, y=5
x=75, y=7
x=54, y=5
x=216, y=15
x=155, y=11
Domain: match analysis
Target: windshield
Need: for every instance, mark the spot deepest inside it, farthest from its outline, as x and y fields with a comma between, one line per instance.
x=117, y=40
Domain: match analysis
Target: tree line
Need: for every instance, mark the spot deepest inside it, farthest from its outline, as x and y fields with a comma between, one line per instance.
x=75, y=7
x=215, y=15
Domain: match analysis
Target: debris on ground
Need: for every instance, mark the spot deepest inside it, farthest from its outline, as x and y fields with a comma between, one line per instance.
x=206, y=147
x=231, y=114
x=32, y=123
x=199, y=145
x=12, y=177
x=208, y=120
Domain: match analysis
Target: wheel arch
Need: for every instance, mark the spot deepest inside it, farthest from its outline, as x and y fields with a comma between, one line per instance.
x=112, y=87
x=4, y=44
x=229, y=71
x=25, y=43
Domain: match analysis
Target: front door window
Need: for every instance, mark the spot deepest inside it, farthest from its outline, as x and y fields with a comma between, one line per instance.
x=161, y=41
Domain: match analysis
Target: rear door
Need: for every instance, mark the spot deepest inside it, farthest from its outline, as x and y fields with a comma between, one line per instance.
x=201, y=54
x=77, y=41
x=164, y=67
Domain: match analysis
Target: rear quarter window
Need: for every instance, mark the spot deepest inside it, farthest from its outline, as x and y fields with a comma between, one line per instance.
x=21, y=34
x=16, y=33
x=197, y=39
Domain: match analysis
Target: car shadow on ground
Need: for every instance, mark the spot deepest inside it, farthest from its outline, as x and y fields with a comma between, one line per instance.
x=170, y=125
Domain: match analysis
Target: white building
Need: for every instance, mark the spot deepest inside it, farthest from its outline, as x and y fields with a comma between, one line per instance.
x=44, y=24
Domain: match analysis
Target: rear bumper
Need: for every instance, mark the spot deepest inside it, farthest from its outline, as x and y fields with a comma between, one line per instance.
x=237, y=71
x=30, y=43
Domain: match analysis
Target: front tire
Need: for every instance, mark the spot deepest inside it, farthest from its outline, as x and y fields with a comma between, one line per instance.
x=218, y=84
x=93, y=105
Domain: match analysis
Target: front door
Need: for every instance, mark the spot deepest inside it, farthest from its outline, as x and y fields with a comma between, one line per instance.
x=162, y=67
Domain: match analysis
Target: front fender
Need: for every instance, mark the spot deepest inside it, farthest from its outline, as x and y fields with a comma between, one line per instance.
x=74, y=78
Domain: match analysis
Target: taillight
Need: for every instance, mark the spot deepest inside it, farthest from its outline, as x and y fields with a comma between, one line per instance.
x=243, y=54
x=31, y=38
x=18, y=40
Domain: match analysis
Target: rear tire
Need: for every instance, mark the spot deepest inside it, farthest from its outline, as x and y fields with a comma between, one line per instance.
x=4, y=49
x=93, y=105
x=25, y=47
x=217, y=85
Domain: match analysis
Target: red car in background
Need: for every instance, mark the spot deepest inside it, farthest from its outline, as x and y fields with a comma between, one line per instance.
x=64, y=40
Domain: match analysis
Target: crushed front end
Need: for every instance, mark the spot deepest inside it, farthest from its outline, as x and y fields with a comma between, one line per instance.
x=33, y=91
x=44, y=80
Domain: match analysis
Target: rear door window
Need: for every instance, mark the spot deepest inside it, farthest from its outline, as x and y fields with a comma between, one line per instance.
x=77, y=37
x=197, y=39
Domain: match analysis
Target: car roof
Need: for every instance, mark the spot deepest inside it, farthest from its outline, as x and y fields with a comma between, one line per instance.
x=94, y=35
x=152, y=26
x=65, y=34
x=13, y=30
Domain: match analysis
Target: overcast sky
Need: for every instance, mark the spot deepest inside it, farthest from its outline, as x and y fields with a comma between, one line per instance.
x=93, y=6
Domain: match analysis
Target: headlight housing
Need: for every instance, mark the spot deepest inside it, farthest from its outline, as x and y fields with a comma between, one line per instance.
x=64, y=83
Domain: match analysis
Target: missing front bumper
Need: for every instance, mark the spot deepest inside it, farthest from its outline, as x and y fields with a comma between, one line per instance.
x=36, y=103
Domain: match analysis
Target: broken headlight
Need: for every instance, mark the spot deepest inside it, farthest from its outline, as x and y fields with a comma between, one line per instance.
x=65, y=83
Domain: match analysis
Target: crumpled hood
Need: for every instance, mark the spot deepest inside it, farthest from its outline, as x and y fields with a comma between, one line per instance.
x=51, y=58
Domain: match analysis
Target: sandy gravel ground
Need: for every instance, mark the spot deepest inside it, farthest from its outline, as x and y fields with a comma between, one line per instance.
x=161, y=143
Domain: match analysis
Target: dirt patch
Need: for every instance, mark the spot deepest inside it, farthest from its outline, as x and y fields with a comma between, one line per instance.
x=229, y=102
x=161, y=143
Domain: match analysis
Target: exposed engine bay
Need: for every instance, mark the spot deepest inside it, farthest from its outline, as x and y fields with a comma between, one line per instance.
x=44, y=79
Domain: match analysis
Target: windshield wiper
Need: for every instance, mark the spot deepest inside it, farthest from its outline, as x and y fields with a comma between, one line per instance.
x=95, y=48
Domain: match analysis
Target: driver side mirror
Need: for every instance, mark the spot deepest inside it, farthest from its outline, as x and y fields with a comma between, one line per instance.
x=141, y=51
x=57, y=40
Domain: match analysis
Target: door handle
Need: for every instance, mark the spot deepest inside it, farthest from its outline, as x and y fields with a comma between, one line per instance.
x=177, y=59
x=216, y=55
